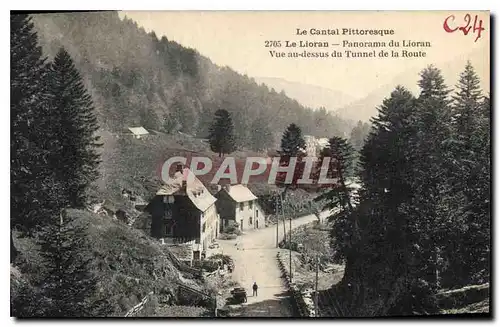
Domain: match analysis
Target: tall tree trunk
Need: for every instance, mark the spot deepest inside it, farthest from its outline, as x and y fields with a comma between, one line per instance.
x=344, y=187
x=13, y=250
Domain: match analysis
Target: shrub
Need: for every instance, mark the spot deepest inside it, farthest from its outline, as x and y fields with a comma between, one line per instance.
x=26, y=300
x=232, y=228
x=209, y=265
x=224, y=236
x=227, y=260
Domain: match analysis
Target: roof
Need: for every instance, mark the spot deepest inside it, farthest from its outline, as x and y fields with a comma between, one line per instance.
x=240, y=193
x=109, y=205
x=324, y=142
x=138, y=130
x=195, y=190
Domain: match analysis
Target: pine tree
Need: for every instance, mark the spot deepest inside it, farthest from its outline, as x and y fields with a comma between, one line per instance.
x=383, y=156
x=467, y=102
x=480, y=196
x=74, y=124
x=428, y=155
x=384, y=256
x=467, y=252
x=292, y=146
x=358, y=134
x=292, y=142
x=31, y=198
x=340, y=153
x=68, y=282
x=221, y=134
x=339, y=196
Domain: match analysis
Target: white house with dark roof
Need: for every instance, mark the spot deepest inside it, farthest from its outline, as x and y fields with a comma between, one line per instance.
x=238, y=204
x=183, y=212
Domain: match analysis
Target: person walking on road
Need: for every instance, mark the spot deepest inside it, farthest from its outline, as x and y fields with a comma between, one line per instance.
x=255, y=287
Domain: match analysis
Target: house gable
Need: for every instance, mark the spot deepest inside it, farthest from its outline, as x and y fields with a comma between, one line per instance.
x=226, y=206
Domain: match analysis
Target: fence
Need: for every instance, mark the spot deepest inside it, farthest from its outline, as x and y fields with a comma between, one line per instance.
x=302, y=300
x=202, y=298
x=210, y=301
x=181, y=265
x=139, y=306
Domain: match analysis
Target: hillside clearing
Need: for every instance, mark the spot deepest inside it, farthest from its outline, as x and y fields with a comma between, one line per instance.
x=129, y=263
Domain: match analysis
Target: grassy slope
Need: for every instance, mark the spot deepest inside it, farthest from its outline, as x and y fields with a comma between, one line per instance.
x=469, y=299
x=135, y=163
x=316, y=242
x=129, y=264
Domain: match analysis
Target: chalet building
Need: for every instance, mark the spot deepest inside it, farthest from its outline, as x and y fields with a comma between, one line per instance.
x=183, y=213
x=314, y=145
x=238, y=204
x=138, y=132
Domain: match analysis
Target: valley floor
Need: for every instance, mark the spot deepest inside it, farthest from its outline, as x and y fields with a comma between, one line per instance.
x=254, y=255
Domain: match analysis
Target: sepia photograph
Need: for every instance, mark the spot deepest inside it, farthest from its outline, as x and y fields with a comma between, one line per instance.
x=250, y=164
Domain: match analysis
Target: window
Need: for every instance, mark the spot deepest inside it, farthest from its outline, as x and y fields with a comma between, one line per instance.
x=257, y=213
x=250, y=220
x=250, y=204
x=204, y=227
x=242, y=206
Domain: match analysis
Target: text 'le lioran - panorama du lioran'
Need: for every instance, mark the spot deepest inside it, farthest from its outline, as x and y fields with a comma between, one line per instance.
x=360, y=44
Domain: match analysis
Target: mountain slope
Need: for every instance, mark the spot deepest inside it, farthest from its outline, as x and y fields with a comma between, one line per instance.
x=129, y=264
x=137, y=78
x=310, y=95
x=365, y=108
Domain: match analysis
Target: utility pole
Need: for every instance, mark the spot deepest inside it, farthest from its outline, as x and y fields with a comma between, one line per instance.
x=316, y=313
x=276, y=205
x=283, y=216
x=277, y=234
x=290, y=246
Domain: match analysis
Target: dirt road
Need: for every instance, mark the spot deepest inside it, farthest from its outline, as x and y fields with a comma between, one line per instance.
x=254, y=255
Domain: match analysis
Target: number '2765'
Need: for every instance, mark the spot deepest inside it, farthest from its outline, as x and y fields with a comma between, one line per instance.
x=451, y=26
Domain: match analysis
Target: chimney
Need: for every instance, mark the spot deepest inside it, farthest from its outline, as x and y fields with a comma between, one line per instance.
x=219, y=187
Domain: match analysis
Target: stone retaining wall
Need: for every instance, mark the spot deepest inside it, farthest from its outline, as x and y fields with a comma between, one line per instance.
x=302, y=300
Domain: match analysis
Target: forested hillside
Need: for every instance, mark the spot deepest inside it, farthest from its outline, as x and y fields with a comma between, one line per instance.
x=136, y=78
x=414, y=236
x=67, y=261
x=423, y=223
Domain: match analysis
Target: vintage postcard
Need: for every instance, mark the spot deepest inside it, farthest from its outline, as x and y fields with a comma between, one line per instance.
x=316, y=164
